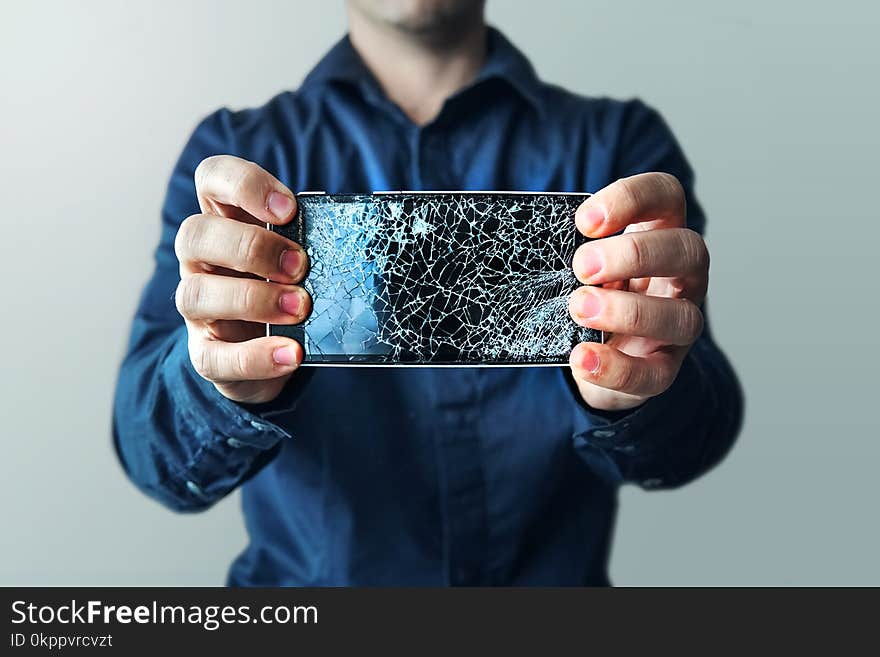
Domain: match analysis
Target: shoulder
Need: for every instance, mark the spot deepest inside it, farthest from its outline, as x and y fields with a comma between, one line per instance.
x=635, y=134
x=286, y=110
x=604, y=117
x=271, y=134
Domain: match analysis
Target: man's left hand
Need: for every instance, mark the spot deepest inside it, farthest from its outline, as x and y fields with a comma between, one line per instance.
x=645, y=287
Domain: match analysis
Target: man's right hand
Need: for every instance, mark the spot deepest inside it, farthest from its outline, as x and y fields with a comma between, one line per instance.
x=225, y=255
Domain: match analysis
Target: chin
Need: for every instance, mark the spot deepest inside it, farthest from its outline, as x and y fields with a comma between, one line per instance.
x=421, y=15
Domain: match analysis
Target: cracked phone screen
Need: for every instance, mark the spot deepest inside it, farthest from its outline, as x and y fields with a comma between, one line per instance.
x=438, y=278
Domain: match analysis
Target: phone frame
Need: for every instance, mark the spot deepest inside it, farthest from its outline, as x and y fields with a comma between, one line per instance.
x=300, y=238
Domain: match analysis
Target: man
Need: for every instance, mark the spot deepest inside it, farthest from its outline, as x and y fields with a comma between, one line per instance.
x=363, y=476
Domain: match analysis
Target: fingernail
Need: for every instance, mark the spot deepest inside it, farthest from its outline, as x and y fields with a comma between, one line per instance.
x=279, y=204
x=588, y=264
x=590, y=361
x=291, y=303
x=291, y=262
x=284, y=356
x=588, y=306
x=594, y=216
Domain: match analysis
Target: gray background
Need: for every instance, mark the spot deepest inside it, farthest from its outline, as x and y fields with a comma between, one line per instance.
x=776, y=104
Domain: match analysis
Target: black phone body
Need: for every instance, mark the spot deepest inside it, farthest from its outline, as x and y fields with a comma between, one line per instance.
x=437, y=278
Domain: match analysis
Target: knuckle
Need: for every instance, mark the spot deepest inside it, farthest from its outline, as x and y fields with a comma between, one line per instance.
x=670, y=188
x=205, y=170
x=628, y=194
x=691, y=321
x=251, y=245
x=187, y=236
x=632, y=316
x=249, y=297
x=189, y=294
x=201, y=360
x=694, y=248
x=662, y=381
x=624, y=377
x=249, y=177
x=632, y=254
x=244, y=363
x=671, y=184
x=179, y=295
x=702, y=252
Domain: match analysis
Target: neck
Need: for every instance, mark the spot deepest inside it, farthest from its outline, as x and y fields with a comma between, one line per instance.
x=419, y=71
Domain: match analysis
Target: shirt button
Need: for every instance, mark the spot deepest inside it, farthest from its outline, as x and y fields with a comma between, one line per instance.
x=193, y=488
x=604, y=433
x=232, y=442
x=260, y=426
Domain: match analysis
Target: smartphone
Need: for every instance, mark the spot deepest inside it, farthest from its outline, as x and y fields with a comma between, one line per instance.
x=437, y=278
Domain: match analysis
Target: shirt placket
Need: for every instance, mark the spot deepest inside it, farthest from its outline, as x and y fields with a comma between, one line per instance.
x=456, y=400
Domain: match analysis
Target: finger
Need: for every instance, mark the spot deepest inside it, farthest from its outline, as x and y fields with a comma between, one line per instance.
x=246, y=248
x=210, y=297
x=610, y=368
x=654, y=197
x=671, y=321
x=255, y=360
x=237, y=183
x=671, y=252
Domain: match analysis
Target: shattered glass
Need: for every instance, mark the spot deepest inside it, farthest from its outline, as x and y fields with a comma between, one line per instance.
x=438, y=278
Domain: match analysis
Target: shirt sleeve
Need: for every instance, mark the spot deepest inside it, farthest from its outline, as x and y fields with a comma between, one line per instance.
x=674, y=437
x=177, y=437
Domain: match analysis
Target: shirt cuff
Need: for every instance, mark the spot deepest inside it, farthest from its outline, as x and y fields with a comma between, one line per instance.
x=224, y=442
x=614, y=441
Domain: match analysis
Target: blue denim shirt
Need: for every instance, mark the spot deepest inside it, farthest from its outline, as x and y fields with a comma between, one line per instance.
x=416, y=476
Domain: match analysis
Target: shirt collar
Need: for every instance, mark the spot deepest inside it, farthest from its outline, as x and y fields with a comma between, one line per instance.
x=503, y=61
